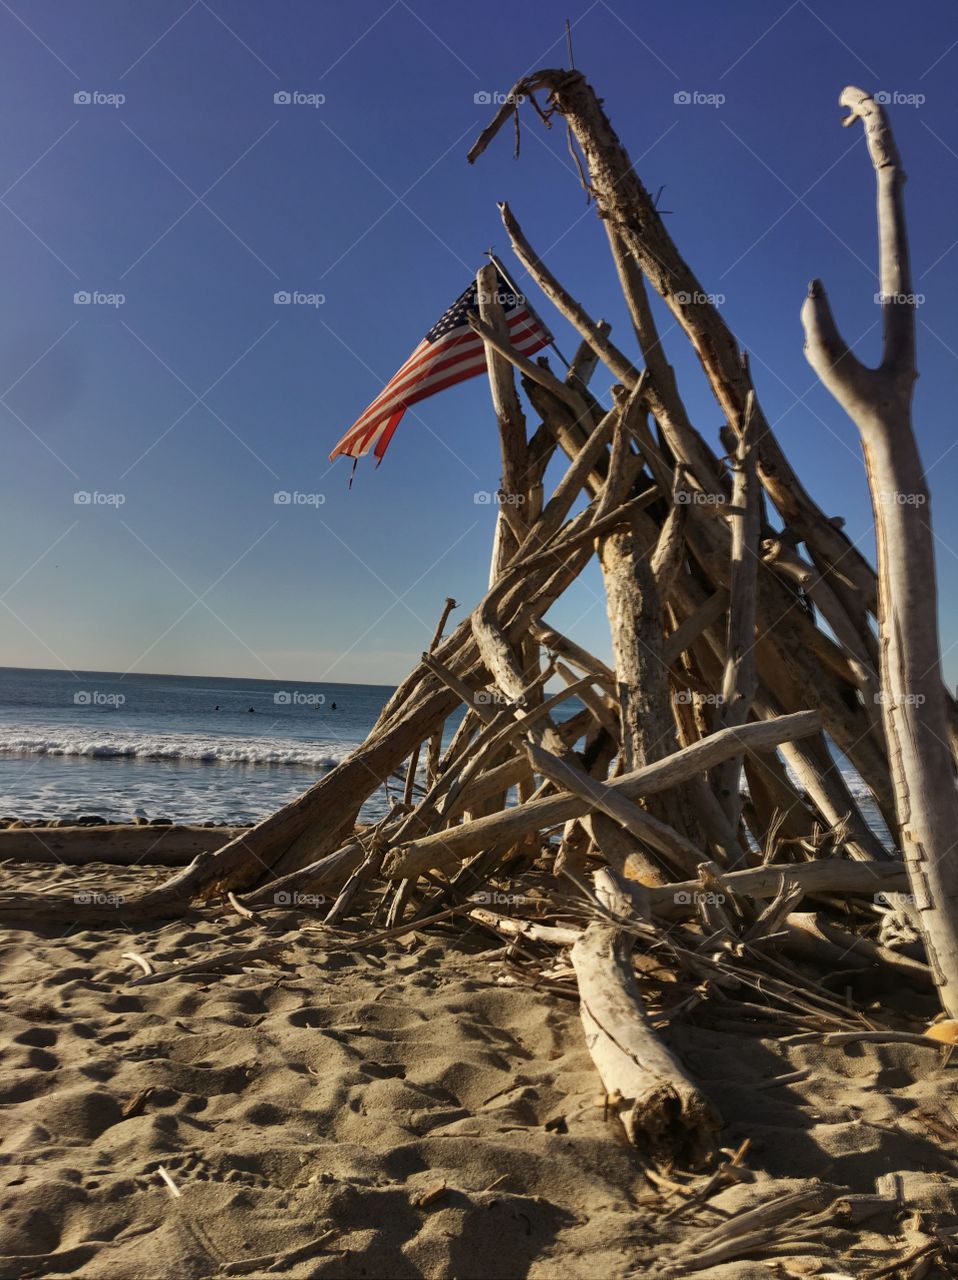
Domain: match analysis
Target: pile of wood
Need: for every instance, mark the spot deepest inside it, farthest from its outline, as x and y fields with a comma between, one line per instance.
x=686, y=817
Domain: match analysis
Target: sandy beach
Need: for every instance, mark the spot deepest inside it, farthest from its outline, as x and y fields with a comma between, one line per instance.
x=478, y=729
x=405, y=1110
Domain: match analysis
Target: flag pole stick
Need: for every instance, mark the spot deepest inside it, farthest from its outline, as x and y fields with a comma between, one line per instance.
x=515, y=289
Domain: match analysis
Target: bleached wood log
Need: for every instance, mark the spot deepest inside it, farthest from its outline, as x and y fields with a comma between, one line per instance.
x=823, y=876
x=913, y=708
x=848, y=949
x=740, y=677
x=694, y=808
x=574, y=845
x=591, y=793
x=669, y=554
x=515, y=491
x=601, y=707
x=555, y=935
x=647, y=727
x=779, y=808
x=664, y=1112
x=670, y=412
x=537, y=372
x=556, y=642
x=514, y=487
x=121, y=844
x=511, y=771
x=623, y=202
x=810, y=760
x=447, y=608
x=502, y=728
x=543, y=442
x=783, y=556
x=711, y=609
x=789, y=659
x=571, y=485
x=673, y=847
x=589, y=330
x=330, y=873
x=566, y=429
x=622, y=851
x=585, y=361
x=449, y=847
x=857, y=640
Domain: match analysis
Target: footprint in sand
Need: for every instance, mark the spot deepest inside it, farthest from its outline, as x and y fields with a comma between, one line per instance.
x=39, y=1037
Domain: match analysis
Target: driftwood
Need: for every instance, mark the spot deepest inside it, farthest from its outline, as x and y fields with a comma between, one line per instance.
x=664, y=1112
x=788, y=1218
x=848, y=950
x=624, y=204
x=514, y=488
x=824, y=876
x=740, y=677
x=913, y=704
x=447, y=609
x=510, y=824
x=122, y=844
x=788, y=657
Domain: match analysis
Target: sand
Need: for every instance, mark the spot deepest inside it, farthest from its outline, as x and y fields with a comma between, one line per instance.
x=399, y=1113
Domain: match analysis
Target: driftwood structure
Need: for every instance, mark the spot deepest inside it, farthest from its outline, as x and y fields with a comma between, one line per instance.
x=680, y=810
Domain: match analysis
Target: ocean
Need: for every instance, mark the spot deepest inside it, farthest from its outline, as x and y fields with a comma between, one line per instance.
x=188, y=748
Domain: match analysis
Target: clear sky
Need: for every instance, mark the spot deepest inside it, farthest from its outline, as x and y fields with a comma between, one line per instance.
x=198, y=197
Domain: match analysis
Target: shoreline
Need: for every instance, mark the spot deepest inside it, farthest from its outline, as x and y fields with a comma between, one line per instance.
x=96, y=820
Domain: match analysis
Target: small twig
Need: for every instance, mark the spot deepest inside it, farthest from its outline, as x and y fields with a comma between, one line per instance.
x=409, y=927
x=791, y=1077
x=134, y=1106
x=881, y=1037
x=718, y=1177
x=895, y=1268
x=174, y=1189
x=228, y=959
x=138, y=959
x=239, y=908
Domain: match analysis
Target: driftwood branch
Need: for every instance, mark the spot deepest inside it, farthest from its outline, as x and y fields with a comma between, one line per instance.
x=449, y=847
x=662, y=1109
x=913, y=703
x=740, y=678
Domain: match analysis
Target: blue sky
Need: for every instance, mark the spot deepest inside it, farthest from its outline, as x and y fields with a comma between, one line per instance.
x=197, y=198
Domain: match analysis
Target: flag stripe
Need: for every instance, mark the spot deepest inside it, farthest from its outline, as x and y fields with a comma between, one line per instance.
x=383, y=442
x=356, y=443
x=450, y=353
x=525, y=343
x=446, y=374
x=427, y=351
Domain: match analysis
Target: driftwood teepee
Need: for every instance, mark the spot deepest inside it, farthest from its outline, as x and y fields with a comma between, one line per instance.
x=743, y=625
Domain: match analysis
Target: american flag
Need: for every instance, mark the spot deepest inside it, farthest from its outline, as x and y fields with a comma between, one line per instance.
x=451, y=352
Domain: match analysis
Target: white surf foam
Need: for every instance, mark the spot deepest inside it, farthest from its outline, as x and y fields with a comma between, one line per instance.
x=105, y=744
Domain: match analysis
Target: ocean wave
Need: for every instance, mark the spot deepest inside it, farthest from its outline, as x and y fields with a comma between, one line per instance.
x=115, y=745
